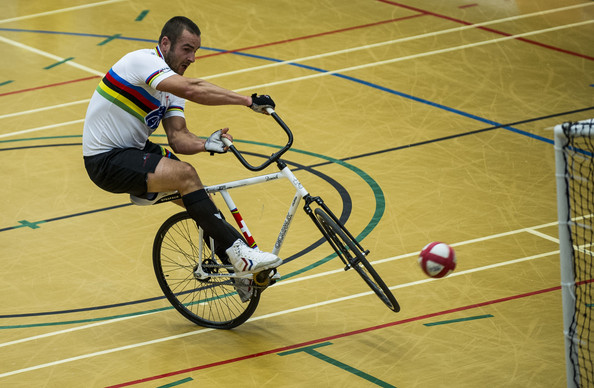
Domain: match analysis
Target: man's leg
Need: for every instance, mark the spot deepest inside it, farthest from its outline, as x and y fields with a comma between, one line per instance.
x=175, y=175
x=172, y=175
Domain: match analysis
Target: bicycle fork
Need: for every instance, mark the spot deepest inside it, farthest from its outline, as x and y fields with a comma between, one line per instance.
x=302, y=193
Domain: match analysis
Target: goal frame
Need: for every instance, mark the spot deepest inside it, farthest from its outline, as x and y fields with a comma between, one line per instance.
x=562, y=132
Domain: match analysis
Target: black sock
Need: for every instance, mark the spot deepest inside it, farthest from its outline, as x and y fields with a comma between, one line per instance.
x=207, y=216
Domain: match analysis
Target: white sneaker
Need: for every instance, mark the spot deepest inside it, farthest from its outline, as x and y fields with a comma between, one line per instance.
x=246, y=259
x=244, y=288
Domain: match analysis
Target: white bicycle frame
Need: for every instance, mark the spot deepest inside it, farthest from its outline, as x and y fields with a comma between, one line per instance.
x=224, y=188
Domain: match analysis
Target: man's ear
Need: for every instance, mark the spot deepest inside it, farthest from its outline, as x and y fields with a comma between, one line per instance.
x=165, y=43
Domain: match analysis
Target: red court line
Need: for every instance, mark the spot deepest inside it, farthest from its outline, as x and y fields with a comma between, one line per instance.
x=488, y=29
x=336, y=336
x=314, y=35
x=50, y=85
x=248, y=48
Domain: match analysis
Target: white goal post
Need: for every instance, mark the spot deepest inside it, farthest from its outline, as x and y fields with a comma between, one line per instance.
x=574, y=161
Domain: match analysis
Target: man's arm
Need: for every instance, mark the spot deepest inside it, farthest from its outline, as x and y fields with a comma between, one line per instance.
x=184, y=142
x=202, y=92
x=179, y=137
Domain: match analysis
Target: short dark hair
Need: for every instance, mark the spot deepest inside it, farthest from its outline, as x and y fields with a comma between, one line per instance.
x=176, y=26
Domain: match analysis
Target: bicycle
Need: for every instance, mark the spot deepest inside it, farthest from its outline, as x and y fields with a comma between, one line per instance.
x=205, y=289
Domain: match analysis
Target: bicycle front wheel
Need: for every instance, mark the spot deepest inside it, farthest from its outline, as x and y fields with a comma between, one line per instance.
x=206, y=301
x=352, y=255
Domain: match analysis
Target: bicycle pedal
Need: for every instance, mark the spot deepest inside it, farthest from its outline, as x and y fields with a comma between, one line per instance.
x=262, y=279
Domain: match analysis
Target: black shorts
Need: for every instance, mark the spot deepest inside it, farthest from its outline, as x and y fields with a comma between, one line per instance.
x=125, y=170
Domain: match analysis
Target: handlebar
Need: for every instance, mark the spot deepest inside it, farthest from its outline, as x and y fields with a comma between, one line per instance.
x=272, y=158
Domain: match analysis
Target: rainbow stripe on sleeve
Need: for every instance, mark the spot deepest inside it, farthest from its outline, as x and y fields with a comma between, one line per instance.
x=175, y=108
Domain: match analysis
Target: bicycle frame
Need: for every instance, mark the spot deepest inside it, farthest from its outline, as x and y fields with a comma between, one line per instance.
x=208, y=269
x=284, y=173
x=300, y=193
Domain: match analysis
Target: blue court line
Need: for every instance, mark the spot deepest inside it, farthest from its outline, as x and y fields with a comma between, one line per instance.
x=404, y=95
x=346, y=77
x=369, y=84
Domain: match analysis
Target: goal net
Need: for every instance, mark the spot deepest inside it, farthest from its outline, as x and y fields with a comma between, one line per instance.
x=574, y=157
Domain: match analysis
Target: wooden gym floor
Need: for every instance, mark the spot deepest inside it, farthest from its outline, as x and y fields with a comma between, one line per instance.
x=423, y=120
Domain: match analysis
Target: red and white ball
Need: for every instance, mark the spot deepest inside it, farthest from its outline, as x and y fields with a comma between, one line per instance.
x=437, y=259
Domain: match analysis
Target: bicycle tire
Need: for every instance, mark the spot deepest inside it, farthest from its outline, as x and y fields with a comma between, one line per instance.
x=351, y=254
x=211, y=302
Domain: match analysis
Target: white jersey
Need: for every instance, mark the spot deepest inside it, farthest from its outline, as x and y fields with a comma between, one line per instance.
x=126, y=108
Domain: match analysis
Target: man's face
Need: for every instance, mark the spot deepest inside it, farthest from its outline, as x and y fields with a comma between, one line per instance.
x=180, y=56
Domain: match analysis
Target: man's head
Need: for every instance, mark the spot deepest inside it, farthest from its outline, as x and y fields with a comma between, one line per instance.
x=179, y=41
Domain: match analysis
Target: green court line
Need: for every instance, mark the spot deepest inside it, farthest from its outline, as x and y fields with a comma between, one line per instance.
x=109, y=39
x=310, y=350
x=45, y=324
x=379, y=211
x=58, y=63
x=32, y=225
x=175, y=383
x=40, y=138
x=458, y=320
x=380, y=201
x=142, y=15
x=5, y=82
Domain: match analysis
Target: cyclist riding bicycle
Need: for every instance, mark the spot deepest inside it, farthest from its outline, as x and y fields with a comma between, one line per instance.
x=143, y=89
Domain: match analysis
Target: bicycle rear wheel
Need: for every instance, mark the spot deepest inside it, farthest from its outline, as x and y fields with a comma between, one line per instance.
x=353, y=257
x=211, y=301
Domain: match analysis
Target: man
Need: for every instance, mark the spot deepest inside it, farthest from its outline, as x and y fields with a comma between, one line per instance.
x=141, y=90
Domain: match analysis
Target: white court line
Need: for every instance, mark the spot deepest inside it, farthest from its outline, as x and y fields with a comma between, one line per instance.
x=103, y=352
x=42, y=128
x=300, y=279
x=400, y=40
x=66, y=331
x=372, y=64
x=18, y=18
x=335, y=53
x=545, y=236
x=415, y=56
x=26, y=112
x=51, y=56
x=300, y=308
x=266, y=316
